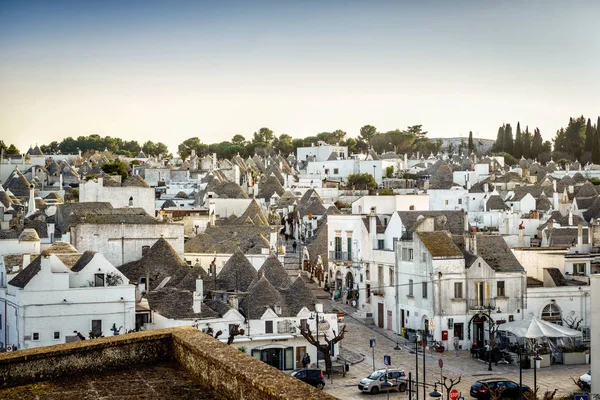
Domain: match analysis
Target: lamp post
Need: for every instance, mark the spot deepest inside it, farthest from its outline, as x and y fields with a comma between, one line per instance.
x=535, y=361
x=520, y=373
x=417, y=365
x=424, y=340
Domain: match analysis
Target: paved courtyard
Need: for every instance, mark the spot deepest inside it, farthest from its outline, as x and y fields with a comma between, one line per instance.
x=357, y=341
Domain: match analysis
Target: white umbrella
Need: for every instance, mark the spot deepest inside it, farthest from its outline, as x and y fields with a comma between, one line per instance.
x=537, y=328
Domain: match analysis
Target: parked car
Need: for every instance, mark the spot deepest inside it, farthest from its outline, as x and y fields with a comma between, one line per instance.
x=585, y=380
x=375, y=382
x=312, y=376
x=503, y=387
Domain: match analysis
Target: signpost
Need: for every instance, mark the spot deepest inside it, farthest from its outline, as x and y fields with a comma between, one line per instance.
x=581, y=396
x=372, y=344
x=387, y=360
x=454, y=394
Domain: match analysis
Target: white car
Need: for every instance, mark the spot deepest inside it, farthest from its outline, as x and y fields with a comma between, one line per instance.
x=376, y=382
x=585, y=380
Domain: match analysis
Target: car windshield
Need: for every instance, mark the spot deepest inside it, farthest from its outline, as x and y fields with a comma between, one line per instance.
x=375, y=375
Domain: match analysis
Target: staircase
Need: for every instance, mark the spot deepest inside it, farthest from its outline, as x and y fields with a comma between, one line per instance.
x=293, y=268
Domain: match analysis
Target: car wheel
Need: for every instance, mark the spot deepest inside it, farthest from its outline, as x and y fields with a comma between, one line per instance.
x=374, y=390
x=320, y=386
x=402, y=387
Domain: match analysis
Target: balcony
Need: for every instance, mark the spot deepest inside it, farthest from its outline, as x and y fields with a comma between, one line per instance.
x=340, y=256
x=481, y=304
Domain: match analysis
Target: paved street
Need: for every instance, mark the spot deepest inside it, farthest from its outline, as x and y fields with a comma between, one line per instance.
x=357, y=340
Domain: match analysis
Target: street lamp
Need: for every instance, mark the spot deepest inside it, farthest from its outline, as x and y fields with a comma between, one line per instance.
x=318, y=309
x=435, y=393
x=535, y=361
x=416, y=341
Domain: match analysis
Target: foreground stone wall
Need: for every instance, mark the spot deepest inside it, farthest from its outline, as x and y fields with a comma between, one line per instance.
x=215, y=365
x=84, y=357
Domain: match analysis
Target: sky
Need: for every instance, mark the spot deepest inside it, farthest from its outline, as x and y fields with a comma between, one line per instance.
x=168, y=71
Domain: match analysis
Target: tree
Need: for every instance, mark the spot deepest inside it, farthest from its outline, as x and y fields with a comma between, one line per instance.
x=337, y=136
x=589, y=135
x=12, y=150
x=448, y=384
x=470, y=144
x=284, y=144
x=526, y=143
x=361, y=181
x=116, y=167
x=263, y=137
x=536, y=143
x=367, y=133
x=324, y=348
x=518, y=145
x=239, y=140
x=596, y=145
x=508, y=139
x=572, y=139
x=193, y=143
x=499, y=143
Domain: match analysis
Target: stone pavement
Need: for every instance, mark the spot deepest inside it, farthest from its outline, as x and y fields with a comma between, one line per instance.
x=357, y=338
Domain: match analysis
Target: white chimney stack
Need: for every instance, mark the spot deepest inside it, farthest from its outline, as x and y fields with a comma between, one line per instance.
x=198, y=296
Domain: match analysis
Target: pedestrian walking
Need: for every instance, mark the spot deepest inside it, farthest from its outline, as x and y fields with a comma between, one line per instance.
x=294, y=245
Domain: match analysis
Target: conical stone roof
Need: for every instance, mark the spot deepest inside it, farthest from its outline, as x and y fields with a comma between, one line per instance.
x=262, y=295
x=274, y=272
x=237, y=273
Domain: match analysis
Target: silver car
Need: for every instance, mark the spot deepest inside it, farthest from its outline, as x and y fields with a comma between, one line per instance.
x=376, y=382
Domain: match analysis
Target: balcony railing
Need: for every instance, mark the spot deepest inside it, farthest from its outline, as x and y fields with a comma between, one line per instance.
x=482, y=304
x=340, y=255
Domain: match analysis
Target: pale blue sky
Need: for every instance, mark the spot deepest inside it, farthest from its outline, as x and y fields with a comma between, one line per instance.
x=166, y=71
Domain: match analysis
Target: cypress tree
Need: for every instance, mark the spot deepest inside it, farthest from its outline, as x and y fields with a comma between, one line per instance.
x=471, y=144
x=596, y=144
x=537, y=144
x=526, y=143
x=508, y=139
x=589, y=135
x=499, y=144
x=518, y=146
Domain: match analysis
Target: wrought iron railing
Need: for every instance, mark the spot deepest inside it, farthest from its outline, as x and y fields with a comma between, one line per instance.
x=482, y=304
x=340, y=255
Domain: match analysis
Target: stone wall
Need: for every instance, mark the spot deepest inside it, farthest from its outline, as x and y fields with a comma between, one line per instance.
x=223, y=368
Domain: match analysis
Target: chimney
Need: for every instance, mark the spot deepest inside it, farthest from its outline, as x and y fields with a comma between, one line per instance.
x=554, y=185
x=590, y=236
x=26, y=260
x=474, y=246
x=198, y=296
x=214, y=161
x=273, y=240
x=373, y=226
x=486, y=187
x=405, y=161
x=234, y=302
x=521, y=238
x=60, y=181
x=579, y=238
x=46, y=264
x=571, y=189
x=570, y=216
x=211, y=212
x=31, y=202
x=466, y=222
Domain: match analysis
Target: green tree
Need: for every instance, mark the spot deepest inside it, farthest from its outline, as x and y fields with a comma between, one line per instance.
x=589, y=135
x=526, y=143
x=263, y=138
x=471, y=145
x=367, y=133
x=239, y=140
x=352, y=145
x=574, y=137
x=361, y=181
x=12, y=149
x=499, y=143
x=284, y=144
x=518, y=145
x=596, y=144
x=537, y=143
x=116, y=167
x=508, y=139
x=52, y=148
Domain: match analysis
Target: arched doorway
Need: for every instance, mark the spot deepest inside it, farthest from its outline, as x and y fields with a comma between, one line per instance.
x=479, y=323
x=552, y=313
x=349, y=280
x=338, y=280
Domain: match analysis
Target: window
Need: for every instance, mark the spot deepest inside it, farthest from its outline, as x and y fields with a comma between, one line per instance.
x=367, y=272
x=500, y=289
x=458, y=290
x=268, y=326
x=458, y=330
x=368, y=293
x=56, y=335
x=336, y=171
x=380, y=244
x=326, y=171
x=410, y=287
x=410, y=254
x=459, y=201
x=579, y=269
x=303, y=324
x=446, y=202
x=391, y=273
x=97, y=327
x=379, y=277
x=36, y=336
x=98, y=280
x=407, y=254
x=424, y=284
x=552, y=313
x=423, y=257
x=411, y=207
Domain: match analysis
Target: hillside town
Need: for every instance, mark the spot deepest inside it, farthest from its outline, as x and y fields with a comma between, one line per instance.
x=279, y=257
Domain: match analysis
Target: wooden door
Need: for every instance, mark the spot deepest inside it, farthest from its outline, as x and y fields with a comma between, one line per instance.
x=300, y=352
x=380, y=315
x=389, y=320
